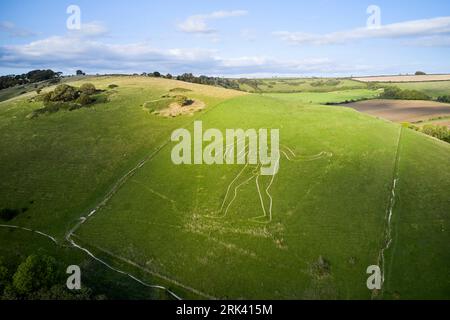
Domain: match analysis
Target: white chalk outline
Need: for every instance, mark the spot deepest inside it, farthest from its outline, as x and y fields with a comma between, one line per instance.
x=256, y=175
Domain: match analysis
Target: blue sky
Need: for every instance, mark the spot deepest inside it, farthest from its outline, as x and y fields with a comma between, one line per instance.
x=227, y=38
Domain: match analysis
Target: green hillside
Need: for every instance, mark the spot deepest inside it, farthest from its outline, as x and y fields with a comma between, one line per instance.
x=165, y=224
x=420, y=221
x=58, y=164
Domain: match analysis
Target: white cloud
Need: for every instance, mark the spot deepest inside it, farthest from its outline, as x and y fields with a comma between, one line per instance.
x=408, y=29
x=67, y=53
x=84, y=49
x=60, y=51
x=12, y=30
x=198, y=23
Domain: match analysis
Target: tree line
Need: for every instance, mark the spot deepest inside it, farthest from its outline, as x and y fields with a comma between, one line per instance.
x=67, y=97
x=29, y=77
x=39, y=277
x=436, y=131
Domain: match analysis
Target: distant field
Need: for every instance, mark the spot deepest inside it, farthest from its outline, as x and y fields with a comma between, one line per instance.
x=327, y=97
x=300, y=85
x=407, y=78
x=432, y=88
x=402, y=110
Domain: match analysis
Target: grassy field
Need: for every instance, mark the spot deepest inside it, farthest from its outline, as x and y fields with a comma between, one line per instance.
x=57, y=165
x=290, y=85
x=432, y=88
x=327, y=97
x=164, y=223
x=420, y=222
x=246, y=259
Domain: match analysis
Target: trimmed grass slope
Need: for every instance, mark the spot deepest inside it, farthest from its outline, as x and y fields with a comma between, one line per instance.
x=334, y=208
x=57, y=165
x=164, y=224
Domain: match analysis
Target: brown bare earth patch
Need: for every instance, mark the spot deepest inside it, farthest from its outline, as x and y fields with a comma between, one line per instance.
x=408, y=78
x=402, y=110
x=175, y=109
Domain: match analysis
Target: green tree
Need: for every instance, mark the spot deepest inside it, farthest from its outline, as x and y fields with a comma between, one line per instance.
x=60, y=292
x=4, y=277
x=64, y=93
x=397, y=93
x=35, y=273
x=88, y=88
x=85, y=99
x=440, y=132
x=444, y=99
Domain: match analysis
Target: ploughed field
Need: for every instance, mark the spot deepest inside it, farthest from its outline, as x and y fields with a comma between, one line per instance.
x=402, y=110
